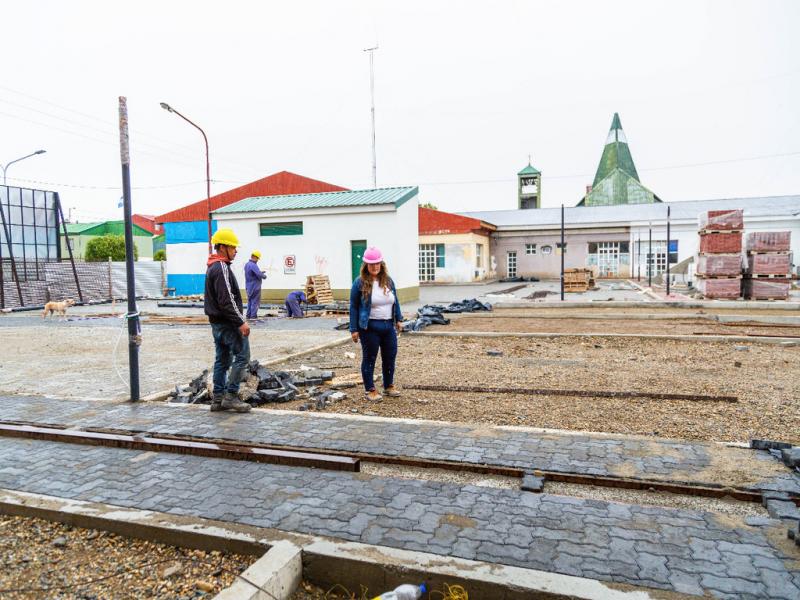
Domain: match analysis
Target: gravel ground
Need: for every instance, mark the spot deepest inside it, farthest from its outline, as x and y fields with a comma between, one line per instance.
x=51, y=560
x=537, y=309
x=688, y=326
x=766, y=383
x=64, y=360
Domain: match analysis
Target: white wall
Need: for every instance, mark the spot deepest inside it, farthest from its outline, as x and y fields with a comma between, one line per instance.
x=324, y=247
x=187, y=258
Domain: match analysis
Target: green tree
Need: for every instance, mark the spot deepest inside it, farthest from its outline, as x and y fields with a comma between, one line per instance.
x=100, y=248
x=429, y=205
x=160, y=254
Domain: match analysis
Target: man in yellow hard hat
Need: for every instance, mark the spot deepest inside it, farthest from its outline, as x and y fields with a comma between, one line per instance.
x=223, y=305
x=252, y=283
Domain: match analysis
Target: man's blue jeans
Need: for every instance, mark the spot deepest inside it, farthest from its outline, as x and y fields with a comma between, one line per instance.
x=378, y=336
x=232, y=349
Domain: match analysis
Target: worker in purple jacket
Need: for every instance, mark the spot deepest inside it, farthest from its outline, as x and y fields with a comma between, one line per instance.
x=253, y=277
x=293, y=301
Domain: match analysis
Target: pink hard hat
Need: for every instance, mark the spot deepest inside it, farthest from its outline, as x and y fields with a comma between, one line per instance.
x=373, y=256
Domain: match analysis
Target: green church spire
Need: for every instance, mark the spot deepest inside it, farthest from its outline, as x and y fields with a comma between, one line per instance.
x=616, y=154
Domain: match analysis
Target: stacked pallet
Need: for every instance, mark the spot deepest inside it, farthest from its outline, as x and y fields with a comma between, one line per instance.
x=318, y=290
x=767, y=274
x=577, y=280
x=719, y=264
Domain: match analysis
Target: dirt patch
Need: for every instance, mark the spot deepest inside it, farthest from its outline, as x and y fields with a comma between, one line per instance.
x=42, y=559
x=766, y=385
x=690, y=326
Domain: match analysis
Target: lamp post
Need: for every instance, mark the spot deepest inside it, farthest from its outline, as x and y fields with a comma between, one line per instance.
x=17, y=160
x=167, y=107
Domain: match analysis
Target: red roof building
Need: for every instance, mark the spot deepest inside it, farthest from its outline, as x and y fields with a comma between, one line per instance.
x=147, y=222
x=437, y=222
x=278, y=184
x=453, y=248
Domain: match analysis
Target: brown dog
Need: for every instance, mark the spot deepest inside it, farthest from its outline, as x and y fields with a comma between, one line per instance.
x=58, y=307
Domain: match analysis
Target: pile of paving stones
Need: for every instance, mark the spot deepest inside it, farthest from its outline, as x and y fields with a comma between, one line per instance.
x=781, y=505
x=431, y=314
x=270, y=386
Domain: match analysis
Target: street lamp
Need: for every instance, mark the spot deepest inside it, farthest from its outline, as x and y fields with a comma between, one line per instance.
x=168, y=108
x=17, y=160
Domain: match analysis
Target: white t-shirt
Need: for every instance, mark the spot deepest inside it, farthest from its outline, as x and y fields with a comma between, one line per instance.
x=382, y=302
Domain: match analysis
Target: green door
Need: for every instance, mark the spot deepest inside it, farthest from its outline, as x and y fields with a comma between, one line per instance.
x=357, y=248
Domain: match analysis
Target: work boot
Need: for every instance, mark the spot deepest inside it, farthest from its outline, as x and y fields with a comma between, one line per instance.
x=232, y=402
x=216, y=402
x=373, y=396
x=391, y=392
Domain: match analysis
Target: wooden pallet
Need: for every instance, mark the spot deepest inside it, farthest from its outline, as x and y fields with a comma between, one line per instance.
x=716, y=231
x=318, y=290
x=751, y=252
x=768, y=276
x=701, y=276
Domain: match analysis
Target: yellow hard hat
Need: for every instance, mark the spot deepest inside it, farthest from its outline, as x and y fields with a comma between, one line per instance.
x=256, y=253
x=226, y=237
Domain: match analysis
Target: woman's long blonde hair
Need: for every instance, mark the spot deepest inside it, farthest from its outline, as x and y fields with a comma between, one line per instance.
x=366, y=280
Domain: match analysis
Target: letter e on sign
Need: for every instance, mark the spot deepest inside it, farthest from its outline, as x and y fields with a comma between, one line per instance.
x=289, y=264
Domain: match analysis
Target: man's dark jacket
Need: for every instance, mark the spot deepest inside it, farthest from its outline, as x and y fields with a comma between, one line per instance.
x=223, y=299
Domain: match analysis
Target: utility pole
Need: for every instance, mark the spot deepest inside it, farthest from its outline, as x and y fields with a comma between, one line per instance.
x=134, y=333
x=650, y=257
x=372, y=100
x=563, y=250
x=638, y=256
x=668, y=209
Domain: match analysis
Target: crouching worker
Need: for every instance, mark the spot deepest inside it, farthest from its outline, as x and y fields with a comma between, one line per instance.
x=223, y=305
x=293, y=301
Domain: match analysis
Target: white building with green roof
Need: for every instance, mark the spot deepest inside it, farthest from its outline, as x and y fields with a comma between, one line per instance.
x=325, y=233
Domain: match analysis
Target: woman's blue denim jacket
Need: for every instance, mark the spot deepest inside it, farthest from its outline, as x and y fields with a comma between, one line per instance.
x=359, y=308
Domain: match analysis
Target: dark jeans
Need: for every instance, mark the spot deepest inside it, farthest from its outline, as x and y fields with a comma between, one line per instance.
x=253, y=302
x=379, y=335
x=293, y=309
x=232, y=348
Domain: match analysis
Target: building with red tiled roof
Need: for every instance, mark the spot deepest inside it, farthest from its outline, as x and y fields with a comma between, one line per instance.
x=453, y=248
x=277, y=184
x=186, y=228
x=147, y=222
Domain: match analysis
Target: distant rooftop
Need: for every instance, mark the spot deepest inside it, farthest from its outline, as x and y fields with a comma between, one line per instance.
x=395, y=195
x=627, y=213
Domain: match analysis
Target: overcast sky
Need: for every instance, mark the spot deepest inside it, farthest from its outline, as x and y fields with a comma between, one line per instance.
x=708, y=94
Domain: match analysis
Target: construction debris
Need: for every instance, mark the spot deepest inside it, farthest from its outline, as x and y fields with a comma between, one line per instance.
x=194, y=393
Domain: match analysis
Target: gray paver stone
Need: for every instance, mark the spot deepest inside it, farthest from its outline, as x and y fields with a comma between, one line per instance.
x=734, y=585
x=782, y=509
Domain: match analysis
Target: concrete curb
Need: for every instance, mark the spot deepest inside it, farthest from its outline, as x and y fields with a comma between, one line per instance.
x=276, y=575
x=324, y=561
x=162, y=395
x=641, y=336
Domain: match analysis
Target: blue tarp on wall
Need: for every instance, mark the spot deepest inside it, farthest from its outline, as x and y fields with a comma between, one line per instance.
x=188, y=284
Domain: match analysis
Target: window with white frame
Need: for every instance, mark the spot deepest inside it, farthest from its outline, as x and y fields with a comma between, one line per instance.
x=427, y=262
x=530, y=249
x=511, y=263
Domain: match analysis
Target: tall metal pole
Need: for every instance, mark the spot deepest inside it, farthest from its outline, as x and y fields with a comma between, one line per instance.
x=167, y=107
x=650, y=257
x=668, y=208
x=5, y=169
x=134, y=336
x=638, y=256
x=563, y=248
x=372, y=101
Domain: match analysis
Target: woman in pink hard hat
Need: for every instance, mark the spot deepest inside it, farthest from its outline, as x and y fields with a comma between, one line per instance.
x=375, y=321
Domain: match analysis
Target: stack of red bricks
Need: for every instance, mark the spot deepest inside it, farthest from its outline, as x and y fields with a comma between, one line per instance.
x=767, y=274
x=719, y=265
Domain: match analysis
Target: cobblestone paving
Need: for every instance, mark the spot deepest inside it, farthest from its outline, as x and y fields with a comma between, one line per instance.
x=592, y=455
x=685, y=551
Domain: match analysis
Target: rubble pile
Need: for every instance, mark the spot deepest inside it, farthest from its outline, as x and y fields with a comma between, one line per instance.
x=264, y=386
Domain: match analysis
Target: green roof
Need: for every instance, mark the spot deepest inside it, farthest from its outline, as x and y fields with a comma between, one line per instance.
x=616, y=154
x=529, y=170
x=396, y=196
x=105, y=228
x=618, y=188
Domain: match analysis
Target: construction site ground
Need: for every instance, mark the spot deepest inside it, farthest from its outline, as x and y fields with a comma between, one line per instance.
x=638, y=491
x=762, y=377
